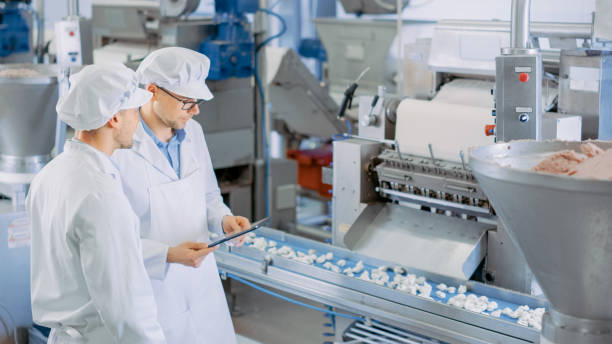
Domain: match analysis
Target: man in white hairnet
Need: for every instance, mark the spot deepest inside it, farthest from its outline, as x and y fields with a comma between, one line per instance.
x=88, y=280
x=169, y=179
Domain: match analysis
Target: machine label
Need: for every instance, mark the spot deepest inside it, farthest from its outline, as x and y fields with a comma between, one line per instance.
x=584, y=79
x=19, y=234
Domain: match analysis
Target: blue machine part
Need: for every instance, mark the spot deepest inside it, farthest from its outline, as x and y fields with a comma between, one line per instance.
x=14, y=30
x=312, y=47
x=231, y=49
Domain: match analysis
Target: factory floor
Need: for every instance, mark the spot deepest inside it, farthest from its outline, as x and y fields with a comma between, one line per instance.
x=261, y=318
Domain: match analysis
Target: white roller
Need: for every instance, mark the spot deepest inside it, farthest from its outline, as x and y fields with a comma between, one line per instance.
x=450, y=128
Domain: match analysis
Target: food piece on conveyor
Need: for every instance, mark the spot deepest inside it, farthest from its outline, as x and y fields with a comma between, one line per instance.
x=457, y=300
x=272, y=243
x=492, y=306
x=321, y=259
x=462, y=289
x=380, y=274
x=329, y=255
x=312, y=251
x=332, y=267
x=358, y=267
x=341, y=263
x=560, y=162
x=496, y=313
x=442, y=287
x=399, y=270
x=365, y=276
x=440, y=294
x=260, y=243
x=476, y=304
x=451, y=290
x=425, y=290
x=420, y=280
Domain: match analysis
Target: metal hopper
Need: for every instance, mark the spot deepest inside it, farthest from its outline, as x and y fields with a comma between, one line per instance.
x=563, y=226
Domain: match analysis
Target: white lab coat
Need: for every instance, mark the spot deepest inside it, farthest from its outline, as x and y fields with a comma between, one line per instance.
x=191, y=302
x=88, y=281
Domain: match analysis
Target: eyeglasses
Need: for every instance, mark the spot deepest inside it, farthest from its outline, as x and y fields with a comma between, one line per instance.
x=187, y=104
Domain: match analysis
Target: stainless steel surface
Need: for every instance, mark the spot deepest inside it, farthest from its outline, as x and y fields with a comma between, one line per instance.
x=73, y=8
x=561, y=225
x=584, y=90
x=374, y=122
x=372, y=7
x=505, y=266
x=557, y=126
x=124, y=21
x=177, y=8
x=15, y=307
x=283, y=193
x=537, y=29
x=185, y=33
x=401, y=309
x=27, y=118
x=439, y=183
x=520, y=20
x=228, y=123
x=360, y=332
x=602, y=27
x=518, y=103
x=353, y=186
x=425, y=241
x=298, y=99
x=469, y=47
x=354, y=44
x=231, y=148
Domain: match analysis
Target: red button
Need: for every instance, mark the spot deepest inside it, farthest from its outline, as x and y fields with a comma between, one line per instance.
x=490, y=129
x=71, y=33
x=523, y=77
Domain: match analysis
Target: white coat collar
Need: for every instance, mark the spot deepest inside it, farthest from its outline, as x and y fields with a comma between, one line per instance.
x=103, y=161
x=148, y=150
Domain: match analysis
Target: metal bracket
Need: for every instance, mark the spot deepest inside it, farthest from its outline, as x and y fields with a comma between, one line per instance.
x=266, y=261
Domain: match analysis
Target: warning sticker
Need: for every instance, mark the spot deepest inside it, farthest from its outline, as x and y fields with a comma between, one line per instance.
x=19, y=233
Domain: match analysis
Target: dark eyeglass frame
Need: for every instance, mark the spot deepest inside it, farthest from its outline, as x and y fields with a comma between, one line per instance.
x=187, y=104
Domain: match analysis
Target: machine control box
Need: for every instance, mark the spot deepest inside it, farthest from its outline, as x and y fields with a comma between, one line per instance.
x=518, y=97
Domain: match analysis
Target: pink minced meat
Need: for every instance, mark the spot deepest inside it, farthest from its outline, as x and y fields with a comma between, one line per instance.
x=590, y=150
x=596, y=163
x=597, y=167
x=560, y=163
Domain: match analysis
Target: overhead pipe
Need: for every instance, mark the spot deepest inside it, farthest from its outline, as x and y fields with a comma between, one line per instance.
x=519, y=29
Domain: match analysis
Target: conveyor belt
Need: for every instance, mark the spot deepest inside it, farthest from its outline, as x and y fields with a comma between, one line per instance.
x=428, y=316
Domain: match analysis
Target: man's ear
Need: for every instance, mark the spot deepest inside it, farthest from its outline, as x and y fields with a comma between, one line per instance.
x=114, y=121
x=153, y=89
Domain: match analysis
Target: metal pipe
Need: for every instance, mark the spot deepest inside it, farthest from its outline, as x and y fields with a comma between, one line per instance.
x=519, y=30
x=73, y=8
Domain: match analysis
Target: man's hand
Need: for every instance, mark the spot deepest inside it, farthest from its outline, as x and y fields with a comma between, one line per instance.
x=189, y=253
x=234, y=224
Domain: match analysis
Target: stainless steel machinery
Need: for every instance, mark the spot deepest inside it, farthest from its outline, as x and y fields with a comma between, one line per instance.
x=27, y=138
x=562, y=227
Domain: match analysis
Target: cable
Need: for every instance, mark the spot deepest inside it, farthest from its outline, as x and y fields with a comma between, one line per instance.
x=340, y=137
x=299, y=303
x=263, y=101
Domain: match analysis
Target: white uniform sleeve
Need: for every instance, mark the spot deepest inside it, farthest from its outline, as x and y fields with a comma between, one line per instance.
x=155, y=254
x=112, y=264
x=215, y=208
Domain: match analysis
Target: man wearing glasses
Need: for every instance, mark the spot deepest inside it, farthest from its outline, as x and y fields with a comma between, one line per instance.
x=169, y=180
